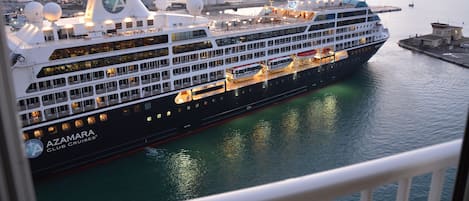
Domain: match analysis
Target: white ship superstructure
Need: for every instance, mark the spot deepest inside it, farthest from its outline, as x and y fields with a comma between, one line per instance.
x=71, y=73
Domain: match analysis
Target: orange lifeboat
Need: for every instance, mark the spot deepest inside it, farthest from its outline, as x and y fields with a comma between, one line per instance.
x=307, y=54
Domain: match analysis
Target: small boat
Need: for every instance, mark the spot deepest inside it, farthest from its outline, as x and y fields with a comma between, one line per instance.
x=411, y=5
x=245, y=72
x=307, y=54
x=279, y=64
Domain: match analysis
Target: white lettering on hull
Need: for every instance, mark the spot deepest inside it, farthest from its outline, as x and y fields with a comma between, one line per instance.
x=70, y=140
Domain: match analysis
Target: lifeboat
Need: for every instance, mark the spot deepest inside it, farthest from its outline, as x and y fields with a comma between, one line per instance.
x=279, y=64
x=245, y=72
x=307, y=54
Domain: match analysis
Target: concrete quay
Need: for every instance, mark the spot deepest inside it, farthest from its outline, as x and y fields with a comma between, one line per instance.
x=452, y=53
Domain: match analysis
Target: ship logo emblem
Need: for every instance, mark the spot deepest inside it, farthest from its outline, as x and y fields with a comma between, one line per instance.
x=114, y=6
x=33, y=148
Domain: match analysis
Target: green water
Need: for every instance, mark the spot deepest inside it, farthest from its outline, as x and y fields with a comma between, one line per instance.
x=399, y=101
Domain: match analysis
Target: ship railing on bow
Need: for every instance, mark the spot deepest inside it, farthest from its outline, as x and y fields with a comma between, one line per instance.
x=362, y=177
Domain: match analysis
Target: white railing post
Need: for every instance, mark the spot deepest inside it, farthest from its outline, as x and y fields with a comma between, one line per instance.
x=436, y=186
x=403, y=189
x=366, y=195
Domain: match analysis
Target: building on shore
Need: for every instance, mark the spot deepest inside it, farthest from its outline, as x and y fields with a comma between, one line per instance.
x=443, y=34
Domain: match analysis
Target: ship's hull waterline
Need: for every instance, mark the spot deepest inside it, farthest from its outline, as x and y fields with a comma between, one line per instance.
x=134, y=126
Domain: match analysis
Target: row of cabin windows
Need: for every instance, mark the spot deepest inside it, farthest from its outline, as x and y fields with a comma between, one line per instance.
x=185, y=59
x=235, y=49
x=49, y=114
x=279, y=41
x=349, y=44
x=107, y=47
x=330, y=16
x=86, y=77
x=45, y=85
x=154, y=64
x=347, y=36
x=64, y=33
x=154, y=77
x=350, y=14
x=231, y=60
x=59, y=97
x=156, y=89
x=96, y=63
x=85, y=105
x=246, y=57
x=198, y=79
x=259, y=36
x=64, y=127
x=192, y=47
x=201, y=66
x=299, y=38
x=322, y=26
x=182, y=70
x=210, y=54
x=349, y=22
x=188, y=35
x=49, y=99
x=215, y=63
x=112, y=72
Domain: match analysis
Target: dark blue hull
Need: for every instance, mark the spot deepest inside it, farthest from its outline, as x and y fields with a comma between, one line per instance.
x=127, y=128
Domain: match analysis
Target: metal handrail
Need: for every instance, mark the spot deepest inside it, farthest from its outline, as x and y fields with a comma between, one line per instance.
x=362, y=177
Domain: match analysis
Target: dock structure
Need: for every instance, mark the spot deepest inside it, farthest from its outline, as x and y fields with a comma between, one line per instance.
x=446, y=42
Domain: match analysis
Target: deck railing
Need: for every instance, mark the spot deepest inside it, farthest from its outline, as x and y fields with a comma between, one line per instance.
x=362, y=177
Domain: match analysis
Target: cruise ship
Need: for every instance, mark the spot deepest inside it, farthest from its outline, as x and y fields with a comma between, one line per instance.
x=122, y=77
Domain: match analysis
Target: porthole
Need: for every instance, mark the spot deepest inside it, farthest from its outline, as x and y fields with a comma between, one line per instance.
x=25, y=136
x=91, y=120
x=65, y=126
x=103, y=117
x=52, y=130
x=79, y=123
x=38, y=133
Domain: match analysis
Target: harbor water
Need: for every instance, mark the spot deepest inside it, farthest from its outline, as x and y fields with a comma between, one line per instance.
x=399, y=101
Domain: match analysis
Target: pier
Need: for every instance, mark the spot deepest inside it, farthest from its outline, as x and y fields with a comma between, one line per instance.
x=445, y=43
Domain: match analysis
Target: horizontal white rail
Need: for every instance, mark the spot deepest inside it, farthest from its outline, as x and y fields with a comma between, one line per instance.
x=362, y=177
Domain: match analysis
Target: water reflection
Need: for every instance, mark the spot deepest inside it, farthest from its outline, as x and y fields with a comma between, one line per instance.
x=290, y=122
x=233, y=146
x=184, y=173
x=322, y=113
x=261, y=135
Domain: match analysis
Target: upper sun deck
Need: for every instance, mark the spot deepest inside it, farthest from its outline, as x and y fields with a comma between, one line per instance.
x=110, y=25
x=252, y=19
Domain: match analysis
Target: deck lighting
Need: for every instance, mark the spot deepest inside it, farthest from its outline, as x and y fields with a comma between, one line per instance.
x=46, y=28
x=89, y=24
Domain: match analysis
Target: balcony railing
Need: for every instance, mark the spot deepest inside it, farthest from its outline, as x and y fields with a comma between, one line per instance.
x=362, y=177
